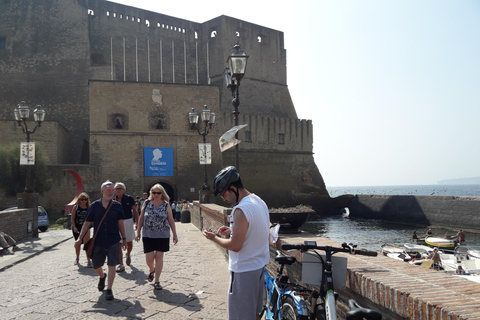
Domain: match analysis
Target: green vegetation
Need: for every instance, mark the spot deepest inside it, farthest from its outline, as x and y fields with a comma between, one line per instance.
x=13, y=175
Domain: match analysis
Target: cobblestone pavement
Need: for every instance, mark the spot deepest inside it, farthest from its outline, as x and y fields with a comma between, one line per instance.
x=41, y=282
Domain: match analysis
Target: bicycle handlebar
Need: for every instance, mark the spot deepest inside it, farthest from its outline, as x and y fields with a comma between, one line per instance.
x=347, y=248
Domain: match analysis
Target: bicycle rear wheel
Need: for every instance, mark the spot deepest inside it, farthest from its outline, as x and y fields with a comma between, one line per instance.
x=289, y=310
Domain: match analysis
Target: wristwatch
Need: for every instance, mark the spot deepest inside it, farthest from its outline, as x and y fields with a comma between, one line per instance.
x=124, y=238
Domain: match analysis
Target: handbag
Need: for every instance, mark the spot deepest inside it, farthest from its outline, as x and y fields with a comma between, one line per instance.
x=88, y=246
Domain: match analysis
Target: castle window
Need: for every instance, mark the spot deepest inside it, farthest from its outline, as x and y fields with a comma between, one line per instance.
x=196, y=35
x=117, y=121
x=248, y=136
x=158, y=122
x=98, y=59
x=147, y=23
x=114, y=14
x=237, y=34
x=90, y=12
x=259, y=39
x=3, y=42
x=213, y=34
x=281, y=138
x=108, y=13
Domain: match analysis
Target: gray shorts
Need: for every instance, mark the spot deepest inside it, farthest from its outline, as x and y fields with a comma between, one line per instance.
x=245, y=294
x=101, y=253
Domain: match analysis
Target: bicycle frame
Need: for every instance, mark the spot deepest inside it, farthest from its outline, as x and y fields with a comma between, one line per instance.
x=277, y=290
x=326, y=291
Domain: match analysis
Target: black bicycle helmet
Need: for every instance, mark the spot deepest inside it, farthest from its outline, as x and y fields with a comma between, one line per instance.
x=224, y=179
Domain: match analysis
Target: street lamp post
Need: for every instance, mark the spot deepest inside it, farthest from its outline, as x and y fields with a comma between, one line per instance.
x=237, y=64
x=208, y=119
x=22, y=112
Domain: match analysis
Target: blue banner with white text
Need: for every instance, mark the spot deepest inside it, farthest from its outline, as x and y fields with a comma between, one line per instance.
x=158, y=162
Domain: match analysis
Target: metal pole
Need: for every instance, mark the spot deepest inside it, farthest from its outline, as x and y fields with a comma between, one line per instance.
x=236, y=103
x=205, y=184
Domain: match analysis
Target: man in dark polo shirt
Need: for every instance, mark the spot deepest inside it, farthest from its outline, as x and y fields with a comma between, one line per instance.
x=129, y=213
x=110, y=232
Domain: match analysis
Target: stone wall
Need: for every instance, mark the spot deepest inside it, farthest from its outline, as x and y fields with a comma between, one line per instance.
x=449, y=211
x=16, y=223
x=50, y=137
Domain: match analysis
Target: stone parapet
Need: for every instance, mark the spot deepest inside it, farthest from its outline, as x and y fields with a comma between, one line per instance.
x=453, y=212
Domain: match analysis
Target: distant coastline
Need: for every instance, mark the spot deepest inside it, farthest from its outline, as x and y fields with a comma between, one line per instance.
x=475, y=180
x=456, y=190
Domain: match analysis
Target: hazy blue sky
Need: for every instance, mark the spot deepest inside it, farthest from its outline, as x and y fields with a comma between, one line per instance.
x=392, y=87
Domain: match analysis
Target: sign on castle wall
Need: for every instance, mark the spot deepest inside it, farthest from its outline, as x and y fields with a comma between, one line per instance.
x=158, y=162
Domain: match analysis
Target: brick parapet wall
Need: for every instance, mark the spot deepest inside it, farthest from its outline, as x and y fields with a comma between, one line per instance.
x=15, y=223
x=398, y=290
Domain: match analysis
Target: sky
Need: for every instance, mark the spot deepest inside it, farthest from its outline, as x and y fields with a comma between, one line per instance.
x=392, y=86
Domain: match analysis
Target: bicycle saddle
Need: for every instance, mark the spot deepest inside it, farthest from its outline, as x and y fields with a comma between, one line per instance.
x=359, y=313
x=282, y=258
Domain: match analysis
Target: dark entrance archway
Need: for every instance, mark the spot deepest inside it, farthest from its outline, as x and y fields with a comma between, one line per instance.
x=168, y=188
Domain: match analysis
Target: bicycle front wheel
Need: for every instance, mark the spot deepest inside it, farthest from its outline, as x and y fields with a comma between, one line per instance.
x=289, y=310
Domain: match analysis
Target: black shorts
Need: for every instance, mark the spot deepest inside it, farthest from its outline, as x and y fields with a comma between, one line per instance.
x=156, y=244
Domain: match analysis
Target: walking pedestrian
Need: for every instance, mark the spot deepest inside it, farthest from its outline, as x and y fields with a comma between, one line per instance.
x=178, y=210
x=156, y=219
x=79, y=213
x=106, y=216
x=129, y=213
x=248, y=247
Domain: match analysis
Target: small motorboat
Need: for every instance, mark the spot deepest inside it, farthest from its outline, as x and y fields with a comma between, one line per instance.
x=395, y=252
x=417, y=251
x=441, y=243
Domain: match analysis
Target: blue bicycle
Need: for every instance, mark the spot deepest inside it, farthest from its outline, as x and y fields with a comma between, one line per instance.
x=283, y=300
x=288, y=301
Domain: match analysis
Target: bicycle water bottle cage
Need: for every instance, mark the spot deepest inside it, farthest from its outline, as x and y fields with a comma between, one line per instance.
x=282, y=258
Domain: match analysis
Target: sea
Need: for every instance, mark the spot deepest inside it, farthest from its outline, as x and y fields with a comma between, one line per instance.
x=371, y=234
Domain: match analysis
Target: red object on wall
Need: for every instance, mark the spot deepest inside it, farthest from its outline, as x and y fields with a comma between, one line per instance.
x=78, y=179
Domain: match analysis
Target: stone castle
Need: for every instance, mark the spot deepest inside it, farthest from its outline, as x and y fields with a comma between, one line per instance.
x=115, y=79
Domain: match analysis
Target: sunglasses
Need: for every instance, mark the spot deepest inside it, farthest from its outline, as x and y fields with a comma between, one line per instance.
x=153, y=192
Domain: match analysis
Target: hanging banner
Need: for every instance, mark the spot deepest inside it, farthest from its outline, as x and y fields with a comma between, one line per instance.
x=227, y=140
x=158, y=162
x=27, y=153
x=205, y=153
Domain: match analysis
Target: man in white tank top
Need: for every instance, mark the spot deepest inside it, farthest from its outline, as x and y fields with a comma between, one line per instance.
x=247, y=245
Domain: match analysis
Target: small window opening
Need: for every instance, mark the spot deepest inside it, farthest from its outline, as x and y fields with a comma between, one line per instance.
x=281, y=138
x=237, y=34
x=108, y=13
x=259, y=39
x=196, y=35
x=90, y=12
x=213, y=34
x=3, y=42
x=147, y=23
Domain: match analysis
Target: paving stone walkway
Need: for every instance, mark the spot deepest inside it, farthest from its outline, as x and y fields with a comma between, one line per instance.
x=41, y=282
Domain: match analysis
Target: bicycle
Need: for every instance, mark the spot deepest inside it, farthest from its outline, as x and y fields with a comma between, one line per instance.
x=288, y=301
